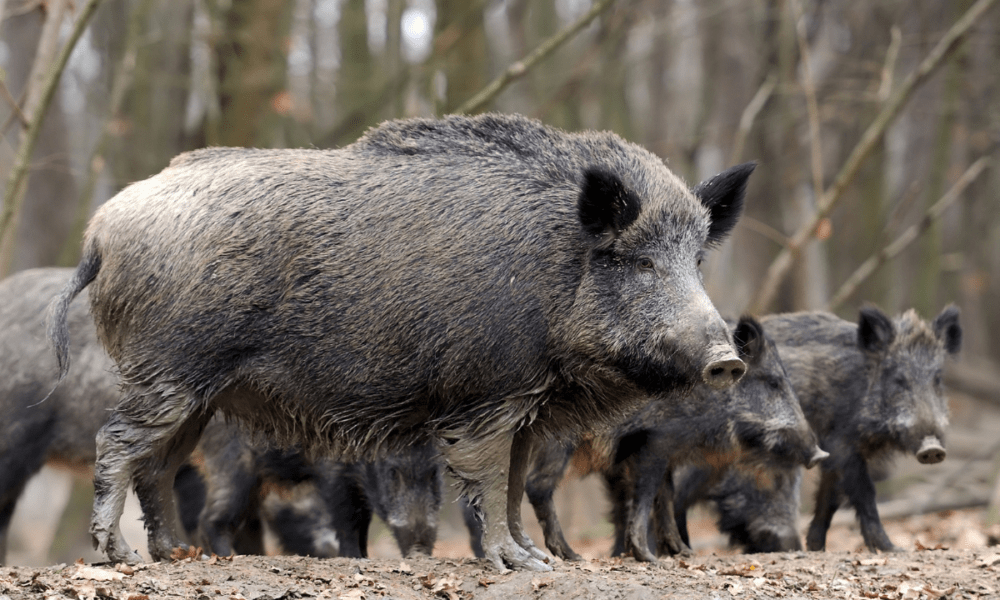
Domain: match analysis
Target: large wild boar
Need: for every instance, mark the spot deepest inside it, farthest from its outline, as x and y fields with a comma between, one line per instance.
x=474, y=281
x=870, y=390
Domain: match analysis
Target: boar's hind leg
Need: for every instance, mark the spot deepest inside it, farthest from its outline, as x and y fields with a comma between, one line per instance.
x=483, y=465
x=146, y=449
x=860, y=491
x=520, y=451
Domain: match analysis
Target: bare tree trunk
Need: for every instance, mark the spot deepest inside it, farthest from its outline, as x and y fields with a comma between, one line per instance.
x=41, y=224
x=251, y=70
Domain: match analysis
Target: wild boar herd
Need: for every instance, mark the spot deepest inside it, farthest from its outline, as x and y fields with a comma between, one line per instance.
x=485, y=296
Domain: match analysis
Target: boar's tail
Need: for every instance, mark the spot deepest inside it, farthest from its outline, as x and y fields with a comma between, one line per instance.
x=58, y=331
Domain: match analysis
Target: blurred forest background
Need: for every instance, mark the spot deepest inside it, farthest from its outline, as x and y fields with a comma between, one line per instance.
x=876, y=125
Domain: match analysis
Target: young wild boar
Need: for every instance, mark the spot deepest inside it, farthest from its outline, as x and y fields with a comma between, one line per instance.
x=869, y=390
x=750, y=426
x=405, y=489
x=758, y=510
x=471, y=281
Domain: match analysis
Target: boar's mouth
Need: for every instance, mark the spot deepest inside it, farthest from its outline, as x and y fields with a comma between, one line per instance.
x=784, y=445
x=659, y=376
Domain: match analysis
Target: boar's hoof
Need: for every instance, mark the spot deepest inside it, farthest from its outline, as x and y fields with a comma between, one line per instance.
x=512, y=555
x=817, y=456
x=931, y=451
x=721, y=374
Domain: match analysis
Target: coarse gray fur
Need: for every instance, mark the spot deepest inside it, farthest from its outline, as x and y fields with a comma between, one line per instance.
x=454, y=280
x=870, y=390
x=62, y=428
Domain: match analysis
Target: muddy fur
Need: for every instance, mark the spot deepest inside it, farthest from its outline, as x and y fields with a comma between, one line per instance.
x=450, y=280
x=870, y=390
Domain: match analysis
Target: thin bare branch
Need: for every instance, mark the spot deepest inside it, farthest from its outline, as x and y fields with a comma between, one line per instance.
x=15, y=107
x=763, y=299
x=17, y=182
x=750, y=115
x=521, y=67
x=907, y=237
x=889, y=68
x=764, y=229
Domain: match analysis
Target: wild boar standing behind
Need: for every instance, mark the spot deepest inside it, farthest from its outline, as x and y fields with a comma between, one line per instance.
x=472, y=281
x=870, y=390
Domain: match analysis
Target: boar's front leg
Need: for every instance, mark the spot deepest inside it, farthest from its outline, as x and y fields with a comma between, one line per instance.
x=827, y=503
x=651, y=469
x=483, y=466
x=860, y=490
x=541, y=485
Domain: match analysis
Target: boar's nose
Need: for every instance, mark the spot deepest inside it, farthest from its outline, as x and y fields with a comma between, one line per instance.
x=931, y=451
x=724, y=368
x=818, y=455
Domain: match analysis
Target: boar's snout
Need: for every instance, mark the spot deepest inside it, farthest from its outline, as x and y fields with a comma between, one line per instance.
x=818, y=455
x=724, y=368
x=931, y=451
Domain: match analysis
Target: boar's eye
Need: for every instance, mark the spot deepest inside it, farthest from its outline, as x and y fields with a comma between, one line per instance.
x=937, y=379
x=645, y=263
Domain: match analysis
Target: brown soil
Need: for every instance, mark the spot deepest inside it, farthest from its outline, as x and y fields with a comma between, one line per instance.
x=949, y=558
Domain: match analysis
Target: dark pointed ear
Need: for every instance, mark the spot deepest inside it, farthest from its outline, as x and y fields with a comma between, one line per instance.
x=875, y=330
x=723, y=196
x=748, y=337
x=606, y=205
x=948, y=329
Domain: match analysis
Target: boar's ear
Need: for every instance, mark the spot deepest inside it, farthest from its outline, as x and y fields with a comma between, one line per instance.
x=875, y=330
x=606, y=205
x=947, y=328
x=749, y=339
x=723, y=196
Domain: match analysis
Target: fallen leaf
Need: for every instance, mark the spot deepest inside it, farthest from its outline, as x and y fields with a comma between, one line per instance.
x=537, y=584
x=125, y=569
x=920, y=546
x=735, y=588
x=447, y=586
x=355, y=594
x=404, y=568
x=989, y=561
x=96, y=574
x=910, y=591
x=486, y=582
x=179, y=553
x=935, y=593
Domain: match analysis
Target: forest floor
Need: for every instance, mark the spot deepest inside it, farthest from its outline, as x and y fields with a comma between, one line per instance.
x=949, y=554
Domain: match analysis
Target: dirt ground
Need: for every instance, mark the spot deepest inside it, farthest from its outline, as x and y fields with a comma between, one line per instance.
x=951, y=554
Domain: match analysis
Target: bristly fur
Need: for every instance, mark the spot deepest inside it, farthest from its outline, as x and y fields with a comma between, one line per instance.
x=433, y=280
x=870, y=390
